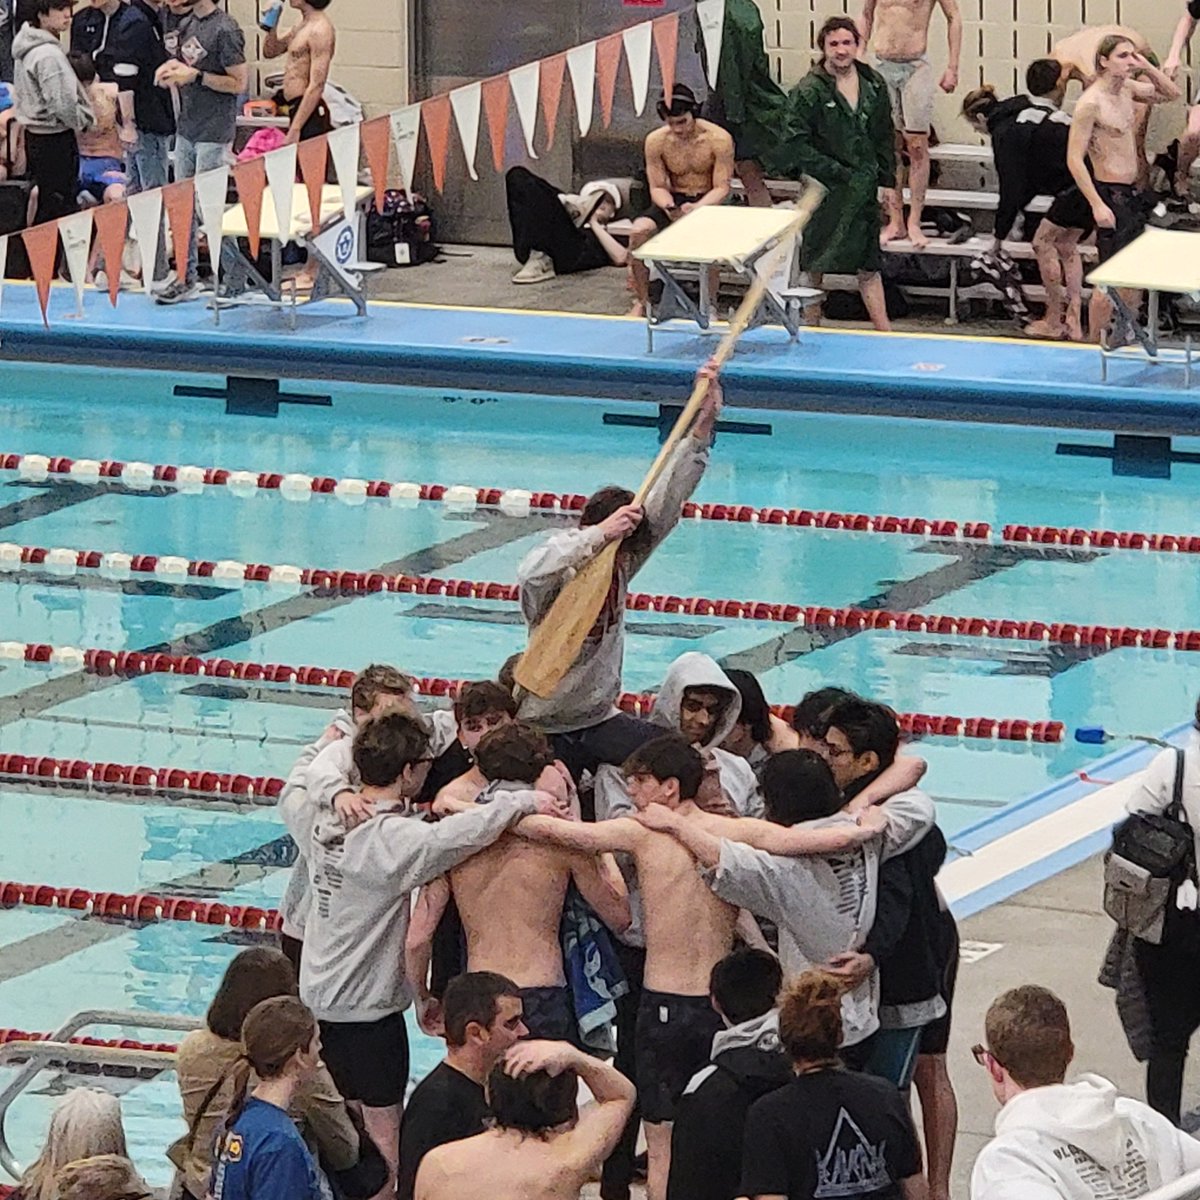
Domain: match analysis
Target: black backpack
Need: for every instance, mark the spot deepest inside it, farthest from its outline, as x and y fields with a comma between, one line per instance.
x=404, y=234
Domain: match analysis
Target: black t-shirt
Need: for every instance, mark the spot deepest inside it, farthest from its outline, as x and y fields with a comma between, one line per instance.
x=445, y=1106
x=447, y=767
x=834, y=1133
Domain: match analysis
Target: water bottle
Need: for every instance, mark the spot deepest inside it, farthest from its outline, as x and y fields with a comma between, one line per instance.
x=270, y=18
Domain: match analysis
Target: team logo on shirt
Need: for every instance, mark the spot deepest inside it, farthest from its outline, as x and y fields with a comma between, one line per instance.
x=192, y=51
x=233, y=1148
x=851, y=1166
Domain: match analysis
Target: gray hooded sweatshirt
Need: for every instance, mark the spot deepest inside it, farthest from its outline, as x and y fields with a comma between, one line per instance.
x=353, y=967
x=589, y=691
x=48, y=96
x=824, y=905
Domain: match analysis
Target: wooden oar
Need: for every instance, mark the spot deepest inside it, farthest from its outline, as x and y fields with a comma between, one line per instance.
x=555, y=642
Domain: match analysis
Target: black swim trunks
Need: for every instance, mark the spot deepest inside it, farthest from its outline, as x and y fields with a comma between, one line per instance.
x=368, y=1059
x=660, y=217
x=674, y=1041
x=1071, y=210
x=935, y=1037
x=1132, y=208
x=549, y=1014
x=320, y=122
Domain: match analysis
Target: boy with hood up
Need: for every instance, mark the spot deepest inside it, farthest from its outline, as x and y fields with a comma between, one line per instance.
x=1064, y=1141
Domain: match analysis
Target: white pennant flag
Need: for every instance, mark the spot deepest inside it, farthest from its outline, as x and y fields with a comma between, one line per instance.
x=465, y=101
x=582, y=64
x=145, y=213
x=343, y=149
x=281, y=178
x=210, y=190
x=525, y=83
x=775, y=267
x=406, y=133
x=76, y=234
x=639, y=40
x=3, y=263
x=711, y=15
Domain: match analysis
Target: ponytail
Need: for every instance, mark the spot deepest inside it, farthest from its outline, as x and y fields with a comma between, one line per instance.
x=241, y=1089
x=980, y=103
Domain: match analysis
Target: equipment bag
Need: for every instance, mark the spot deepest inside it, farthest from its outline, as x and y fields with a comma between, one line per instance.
x=404, y=234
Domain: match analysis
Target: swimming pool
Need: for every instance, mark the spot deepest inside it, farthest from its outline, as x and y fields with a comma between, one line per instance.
x=127, y=843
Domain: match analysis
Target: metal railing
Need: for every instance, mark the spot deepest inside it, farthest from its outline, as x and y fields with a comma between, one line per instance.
x=1187, y=1188
x=39, y=1055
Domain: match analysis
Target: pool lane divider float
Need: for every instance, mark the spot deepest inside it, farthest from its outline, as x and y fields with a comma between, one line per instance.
x=134, y=663
x=76, y=1067
x=518, y=502
x=172, y=569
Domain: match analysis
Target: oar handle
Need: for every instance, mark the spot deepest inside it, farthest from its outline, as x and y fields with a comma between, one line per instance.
x=807, y=205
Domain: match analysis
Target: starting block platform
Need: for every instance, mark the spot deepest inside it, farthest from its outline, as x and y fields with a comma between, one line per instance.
x=734, y=240
x=1161, y=260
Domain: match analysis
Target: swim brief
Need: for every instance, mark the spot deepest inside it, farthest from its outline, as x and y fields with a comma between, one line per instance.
x=549, y=1014
x=659, y=216
x=673, y=1042
x=911, y=86
x=317, y=124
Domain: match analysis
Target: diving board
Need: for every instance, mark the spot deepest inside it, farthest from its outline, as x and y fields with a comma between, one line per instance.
x=736, y=240
x=334, y=246
x=1161, y=260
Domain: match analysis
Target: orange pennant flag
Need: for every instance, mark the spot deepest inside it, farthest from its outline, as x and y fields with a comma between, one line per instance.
x=495, y=104
x=179, y=199
x=41, y=244
x=666, y=45
x=551, y=90
x=376, y=137
x=313, y=157
x=112, y=222
x=251, y=179
x=608, y=63
x=435, y=113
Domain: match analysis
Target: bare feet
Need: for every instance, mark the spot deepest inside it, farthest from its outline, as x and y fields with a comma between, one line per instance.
x=1045, y=329
x=1074, y=328
x=917, y=236
x=638, y=309
x=893, y=231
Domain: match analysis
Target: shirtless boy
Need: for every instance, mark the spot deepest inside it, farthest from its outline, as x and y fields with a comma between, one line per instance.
x=541, y=1146
x=1189, y=144
x=688, y=931
x=689, y=164
x=510, y=898
x=1104, y=131
x=309, y=48
x=901, y=29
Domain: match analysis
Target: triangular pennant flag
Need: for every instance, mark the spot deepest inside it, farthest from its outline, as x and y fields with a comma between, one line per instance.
x=211, y=189
x=608, y=63
x=179, y=199
x=41, y=244
x=711, y=15
x=251, y=178
x=76, y=234
x=775, y=266
x=377, y=143
x=552, y=81
x=495, y=104
x=145, y=212
x=313, y=156
x=112, y=221
x=524, y=84
x=406, y=133
x=666, y=45
x=343, y=149
x=638, y=40
x=465, y=102
x=281, y=179
x=582, y=64
x=435, y=113
x=3, y=262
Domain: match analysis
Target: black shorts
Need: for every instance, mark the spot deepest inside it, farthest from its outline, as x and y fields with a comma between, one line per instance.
x=935, y=1037
x=320, y=122
x=368, y=1059
x=549, y=1013
x=674, y=1041
x=1071, y=210
x=1132, y=208
x=659, y=217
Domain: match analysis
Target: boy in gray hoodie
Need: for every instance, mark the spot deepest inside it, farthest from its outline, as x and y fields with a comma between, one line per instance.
x=52, y=106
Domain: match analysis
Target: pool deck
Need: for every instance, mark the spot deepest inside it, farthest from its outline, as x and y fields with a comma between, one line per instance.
x=826, y=370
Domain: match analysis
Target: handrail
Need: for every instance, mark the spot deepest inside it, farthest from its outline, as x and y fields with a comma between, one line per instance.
x=59, y=1048
x=1185, y=1188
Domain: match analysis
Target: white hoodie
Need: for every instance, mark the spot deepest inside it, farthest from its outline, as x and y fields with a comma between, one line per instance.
x=1080, y=1141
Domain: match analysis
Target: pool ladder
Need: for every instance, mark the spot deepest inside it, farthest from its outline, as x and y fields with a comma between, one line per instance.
x=39, y=1055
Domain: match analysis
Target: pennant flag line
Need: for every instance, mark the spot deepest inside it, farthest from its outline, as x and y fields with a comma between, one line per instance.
x=495, y=104
x=377, y=145
x=76, y=234
x=406, y=133
x=211, y=188
x=281, y=179
x=608, y=63
x=552, y=69
x=344, y=147
x=112, y=222
x=41, y=245
x=581, y=62
x=666, y=45
x=638, y=42
x=465, y=102
x=145, y=213
x=435, y=113
x=251, y=180
x=711, y=15
x=313, y=156
x=524, y=84
x=179, y=199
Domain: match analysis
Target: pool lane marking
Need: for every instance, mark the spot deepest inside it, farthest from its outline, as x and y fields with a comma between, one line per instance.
x=30, y=507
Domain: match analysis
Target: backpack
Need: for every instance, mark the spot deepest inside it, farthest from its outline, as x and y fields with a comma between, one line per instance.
x=404, y=234
x=1151, y=855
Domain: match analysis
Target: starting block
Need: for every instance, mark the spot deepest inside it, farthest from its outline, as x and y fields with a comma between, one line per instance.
x=738, y=241
x=1161, y=260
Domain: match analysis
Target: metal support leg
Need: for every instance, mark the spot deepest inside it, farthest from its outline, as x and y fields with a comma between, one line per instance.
x=953, y=318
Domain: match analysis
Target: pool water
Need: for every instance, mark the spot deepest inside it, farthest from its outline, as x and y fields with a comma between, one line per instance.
x=126, y=844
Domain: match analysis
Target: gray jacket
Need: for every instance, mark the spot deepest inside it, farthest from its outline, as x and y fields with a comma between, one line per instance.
x=48, y=96
x=353, y=967
x=588, y=692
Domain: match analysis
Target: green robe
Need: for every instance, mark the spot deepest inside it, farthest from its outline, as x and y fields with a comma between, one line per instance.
x=746, y=101
x=852, y=152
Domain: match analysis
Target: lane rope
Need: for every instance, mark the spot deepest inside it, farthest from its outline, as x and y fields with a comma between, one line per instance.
x=21, y=1035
